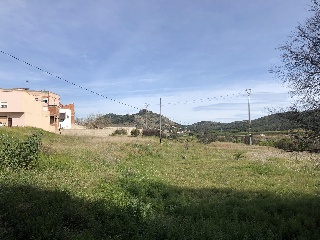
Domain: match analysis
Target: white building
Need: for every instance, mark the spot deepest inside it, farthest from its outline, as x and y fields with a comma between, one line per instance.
x=65, y=118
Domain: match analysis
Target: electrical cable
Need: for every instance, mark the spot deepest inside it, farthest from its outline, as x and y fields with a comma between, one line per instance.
x=74, y=84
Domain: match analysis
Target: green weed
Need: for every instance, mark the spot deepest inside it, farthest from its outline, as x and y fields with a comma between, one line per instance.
x=239, y=155
x=16, y=153
x=96, y=188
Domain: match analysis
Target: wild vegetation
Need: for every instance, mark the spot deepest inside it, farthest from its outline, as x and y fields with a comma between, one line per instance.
x=123, y=187
x=16, y=153
x=282, y=132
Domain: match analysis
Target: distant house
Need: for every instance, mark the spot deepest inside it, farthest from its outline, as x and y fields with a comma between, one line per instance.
x=67, y=115
x=65, y=119
x=24, y=107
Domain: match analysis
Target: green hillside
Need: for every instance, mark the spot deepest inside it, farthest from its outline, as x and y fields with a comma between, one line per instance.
x=273, y=122
x=143, y=119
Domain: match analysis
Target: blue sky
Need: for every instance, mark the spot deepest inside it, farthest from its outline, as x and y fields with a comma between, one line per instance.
x=197, y=56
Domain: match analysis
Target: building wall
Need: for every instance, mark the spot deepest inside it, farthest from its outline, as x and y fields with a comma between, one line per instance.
x=65, y=123
x=32, y=108
x=71, y=107
x=15, y=101
x=24, y=109
x=46, y=97
x=18, y=119
x=51, y=102
x=54, y=116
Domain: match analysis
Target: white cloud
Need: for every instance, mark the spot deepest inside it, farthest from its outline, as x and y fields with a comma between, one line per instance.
x=140, y=52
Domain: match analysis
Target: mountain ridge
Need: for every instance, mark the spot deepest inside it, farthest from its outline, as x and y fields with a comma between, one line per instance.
x=149, y=119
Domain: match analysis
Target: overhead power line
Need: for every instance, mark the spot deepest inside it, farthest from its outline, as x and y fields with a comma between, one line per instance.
x=228, y=96
x=67, y=81
x=203, y=99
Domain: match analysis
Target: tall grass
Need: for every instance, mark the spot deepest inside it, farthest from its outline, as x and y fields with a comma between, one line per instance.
x=135, y=188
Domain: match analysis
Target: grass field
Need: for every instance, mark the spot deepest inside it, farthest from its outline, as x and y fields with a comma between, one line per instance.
x=135, y=188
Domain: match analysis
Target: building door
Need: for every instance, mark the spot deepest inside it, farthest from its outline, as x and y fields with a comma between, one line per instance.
x=9, y=122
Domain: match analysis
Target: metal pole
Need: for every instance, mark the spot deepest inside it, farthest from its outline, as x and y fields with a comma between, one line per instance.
x=249, y=116
x=160, y=123
x=146, y=115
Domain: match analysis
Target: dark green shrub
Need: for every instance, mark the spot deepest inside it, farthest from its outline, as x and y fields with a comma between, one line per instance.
x=120, y=131
x=297, y=142
x=267, y=142
x=135, y=132
x=286, y=144
x=151, y=132
x=16, y=153
x=207, y=138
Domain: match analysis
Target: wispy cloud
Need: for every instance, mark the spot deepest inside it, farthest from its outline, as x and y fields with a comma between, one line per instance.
x=140, y=52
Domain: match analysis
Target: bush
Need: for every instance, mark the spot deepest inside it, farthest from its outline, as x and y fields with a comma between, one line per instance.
x=16, y=153
x=120, y=131
x=297, y=142
x=286, y=144
x=135, y=132
x=267, y=142
x=207, y=138
x=151, y=132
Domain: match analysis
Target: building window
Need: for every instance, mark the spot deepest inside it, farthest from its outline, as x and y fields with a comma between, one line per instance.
x=45, y=100
x=62, y=117
x=3, y=105
x=51, y=119
x=37, y=99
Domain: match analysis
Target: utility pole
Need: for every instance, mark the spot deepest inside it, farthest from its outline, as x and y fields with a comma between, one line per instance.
x=160, y=134
x=147, y=105
x=248, y=91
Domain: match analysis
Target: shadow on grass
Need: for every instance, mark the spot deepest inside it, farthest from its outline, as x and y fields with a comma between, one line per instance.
x=157, y=211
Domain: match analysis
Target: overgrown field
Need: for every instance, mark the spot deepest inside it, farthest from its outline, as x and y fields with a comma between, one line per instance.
x=135, y=188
